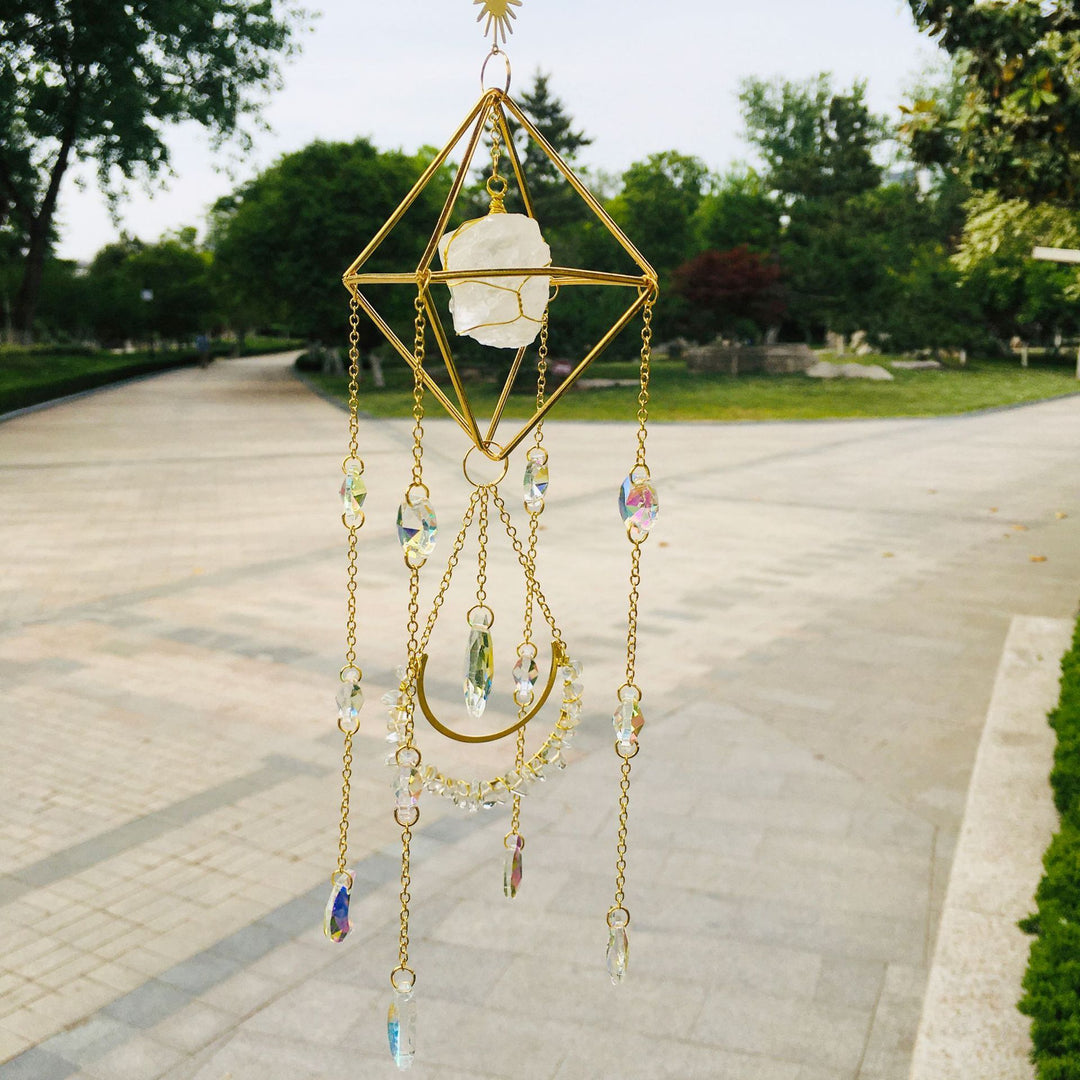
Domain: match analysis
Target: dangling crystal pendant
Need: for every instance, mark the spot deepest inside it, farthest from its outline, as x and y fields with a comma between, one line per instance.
x=336, y=917
x=514, y=843
x=479, y=661
x=536, y=480
x=401, y=1028
x=417, y=528
x=638, y=503
x=618, y=953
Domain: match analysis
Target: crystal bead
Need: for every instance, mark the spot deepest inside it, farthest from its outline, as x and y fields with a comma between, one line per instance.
x=525, y=674
x=638, y=504
x=336, y=917
x=628, y=720
x=417, y=528
x=353, y=493
x=512, y=865
x=401, y=1028
x=493, y=795
x=535, y=484
x=479, y=671
x=618, y=953
x=408, y=787
x=350, y=700
x=573, y=689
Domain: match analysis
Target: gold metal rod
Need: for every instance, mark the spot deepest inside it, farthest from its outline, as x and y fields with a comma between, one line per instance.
x=388, y=333
x=562, y=275
x=569, y=381
x=483, y=108
x=511, y=150
x=578, y=186
x=448, y=357
x=442, y=729
x=496, y=416
x=425, y=179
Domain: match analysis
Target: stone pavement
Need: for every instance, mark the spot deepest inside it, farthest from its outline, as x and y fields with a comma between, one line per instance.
x=824, y=606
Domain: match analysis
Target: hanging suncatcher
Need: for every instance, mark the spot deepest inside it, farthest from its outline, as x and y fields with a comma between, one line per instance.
x=502, y=283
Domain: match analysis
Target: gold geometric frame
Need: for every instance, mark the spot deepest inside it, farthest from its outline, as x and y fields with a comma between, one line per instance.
x=494, y=104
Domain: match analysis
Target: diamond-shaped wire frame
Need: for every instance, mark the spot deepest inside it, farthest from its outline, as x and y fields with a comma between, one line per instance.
x=493, y=105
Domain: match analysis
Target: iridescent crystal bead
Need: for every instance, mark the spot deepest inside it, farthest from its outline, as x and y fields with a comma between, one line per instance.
x=350, y=700
x=401, y=1028
x=525, y=672
x=638, y=502
x=479, y=664
x=408, y=787
x=514, y=844
x=618, y=953
x=535, y=482
x=336, y=916
x=627, y=720
x=353, y=493
x=417, y=528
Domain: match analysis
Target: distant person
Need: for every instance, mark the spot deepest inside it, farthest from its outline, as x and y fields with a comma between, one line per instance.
x=202, y=345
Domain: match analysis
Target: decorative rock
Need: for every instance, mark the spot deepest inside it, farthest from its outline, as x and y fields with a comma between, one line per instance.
x=824, y=370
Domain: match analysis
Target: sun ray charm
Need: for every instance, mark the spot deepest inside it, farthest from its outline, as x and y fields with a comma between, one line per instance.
x=500, y=283
x=499, y=14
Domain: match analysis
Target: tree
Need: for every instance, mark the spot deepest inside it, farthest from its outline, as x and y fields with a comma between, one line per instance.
x=282, y=241
x=729, y=289
x=100, y=80
x=1015, y=125
x=816, y=143
x=738, y=210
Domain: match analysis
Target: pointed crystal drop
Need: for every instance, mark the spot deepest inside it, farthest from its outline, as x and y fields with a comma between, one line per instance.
x=512, y=865
x=408, y=787
x=525, y=674
x=350, y=700
x=534, y=485
x=336, y=917
x=638, y=504
x=353, y=493
x=479, y=671
x=618, y=953
x=417, y=528
x=628, y=720
x=401, y=1029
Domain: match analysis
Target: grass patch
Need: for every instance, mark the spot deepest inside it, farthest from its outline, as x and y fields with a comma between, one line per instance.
x=1052, y=981
x=31, y=376
x=680, y=395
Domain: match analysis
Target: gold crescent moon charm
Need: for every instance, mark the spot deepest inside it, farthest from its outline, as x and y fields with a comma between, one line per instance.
x=442, y=729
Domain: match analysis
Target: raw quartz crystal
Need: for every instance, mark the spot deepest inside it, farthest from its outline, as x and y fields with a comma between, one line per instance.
x=336, y=917
x=401, y=1028
x=512, y=865
x=504, y=312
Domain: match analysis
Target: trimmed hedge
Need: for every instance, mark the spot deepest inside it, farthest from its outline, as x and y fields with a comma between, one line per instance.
x=1052, y=980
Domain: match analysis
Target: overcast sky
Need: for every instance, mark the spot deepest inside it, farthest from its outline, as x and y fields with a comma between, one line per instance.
x=638, y=78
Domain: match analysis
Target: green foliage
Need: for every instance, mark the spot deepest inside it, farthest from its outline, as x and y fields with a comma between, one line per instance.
x=282, y=242
x=1014, y=124
x=1052, y=980
x=737, y=210
x=100, y=80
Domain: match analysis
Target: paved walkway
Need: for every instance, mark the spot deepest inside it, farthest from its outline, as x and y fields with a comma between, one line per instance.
x=823, y=611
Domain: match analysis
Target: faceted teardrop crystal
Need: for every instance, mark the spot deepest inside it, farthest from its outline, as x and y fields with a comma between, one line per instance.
x=401, y=1028
x=535, y=484
x=350, y=700
x=627, y=720
x=512, y=865
x=638, y=504
x=479, y=670
x=353, y=493
x=417, y=528
x=618, y=953
x=336, y=917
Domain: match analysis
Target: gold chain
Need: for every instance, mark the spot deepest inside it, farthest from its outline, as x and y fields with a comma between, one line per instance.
x=620, y=847
x=405, y=897
x=451, y=565
x=526, y=564
x=481, y=556
x=646, y=364
x=420, y=324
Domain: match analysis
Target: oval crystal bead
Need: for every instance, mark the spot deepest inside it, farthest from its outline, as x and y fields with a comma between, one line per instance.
x=353, y=493
x=350, y=700
x=628, y=720
x=479, y=671
x=525, y=674
x=535, y=485
x=408, y=787
x=417, y=528
x=638, y=504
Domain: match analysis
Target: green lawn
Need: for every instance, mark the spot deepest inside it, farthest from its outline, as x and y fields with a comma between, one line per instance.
x=31, y=376
x=680, y=395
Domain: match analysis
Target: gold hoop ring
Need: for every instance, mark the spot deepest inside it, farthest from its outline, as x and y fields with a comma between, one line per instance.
x=496, y=51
